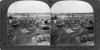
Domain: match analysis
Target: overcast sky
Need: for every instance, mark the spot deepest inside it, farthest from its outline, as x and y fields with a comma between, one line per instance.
x=58, y=7
x=29, y=7
x=71, y=7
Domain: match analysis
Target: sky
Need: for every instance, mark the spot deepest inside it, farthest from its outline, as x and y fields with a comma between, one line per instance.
x=29, y=7
x=42, y=7
x=71, y=7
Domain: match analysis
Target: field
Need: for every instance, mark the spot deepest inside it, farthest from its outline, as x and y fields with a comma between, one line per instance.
x=75, y=29
x=27, y=31
x=56, y=29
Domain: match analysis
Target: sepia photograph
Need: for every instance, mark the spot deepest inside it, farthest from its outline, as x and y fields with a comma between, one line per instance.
x=28, y=25
x=73, y=24
x=66, y=23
